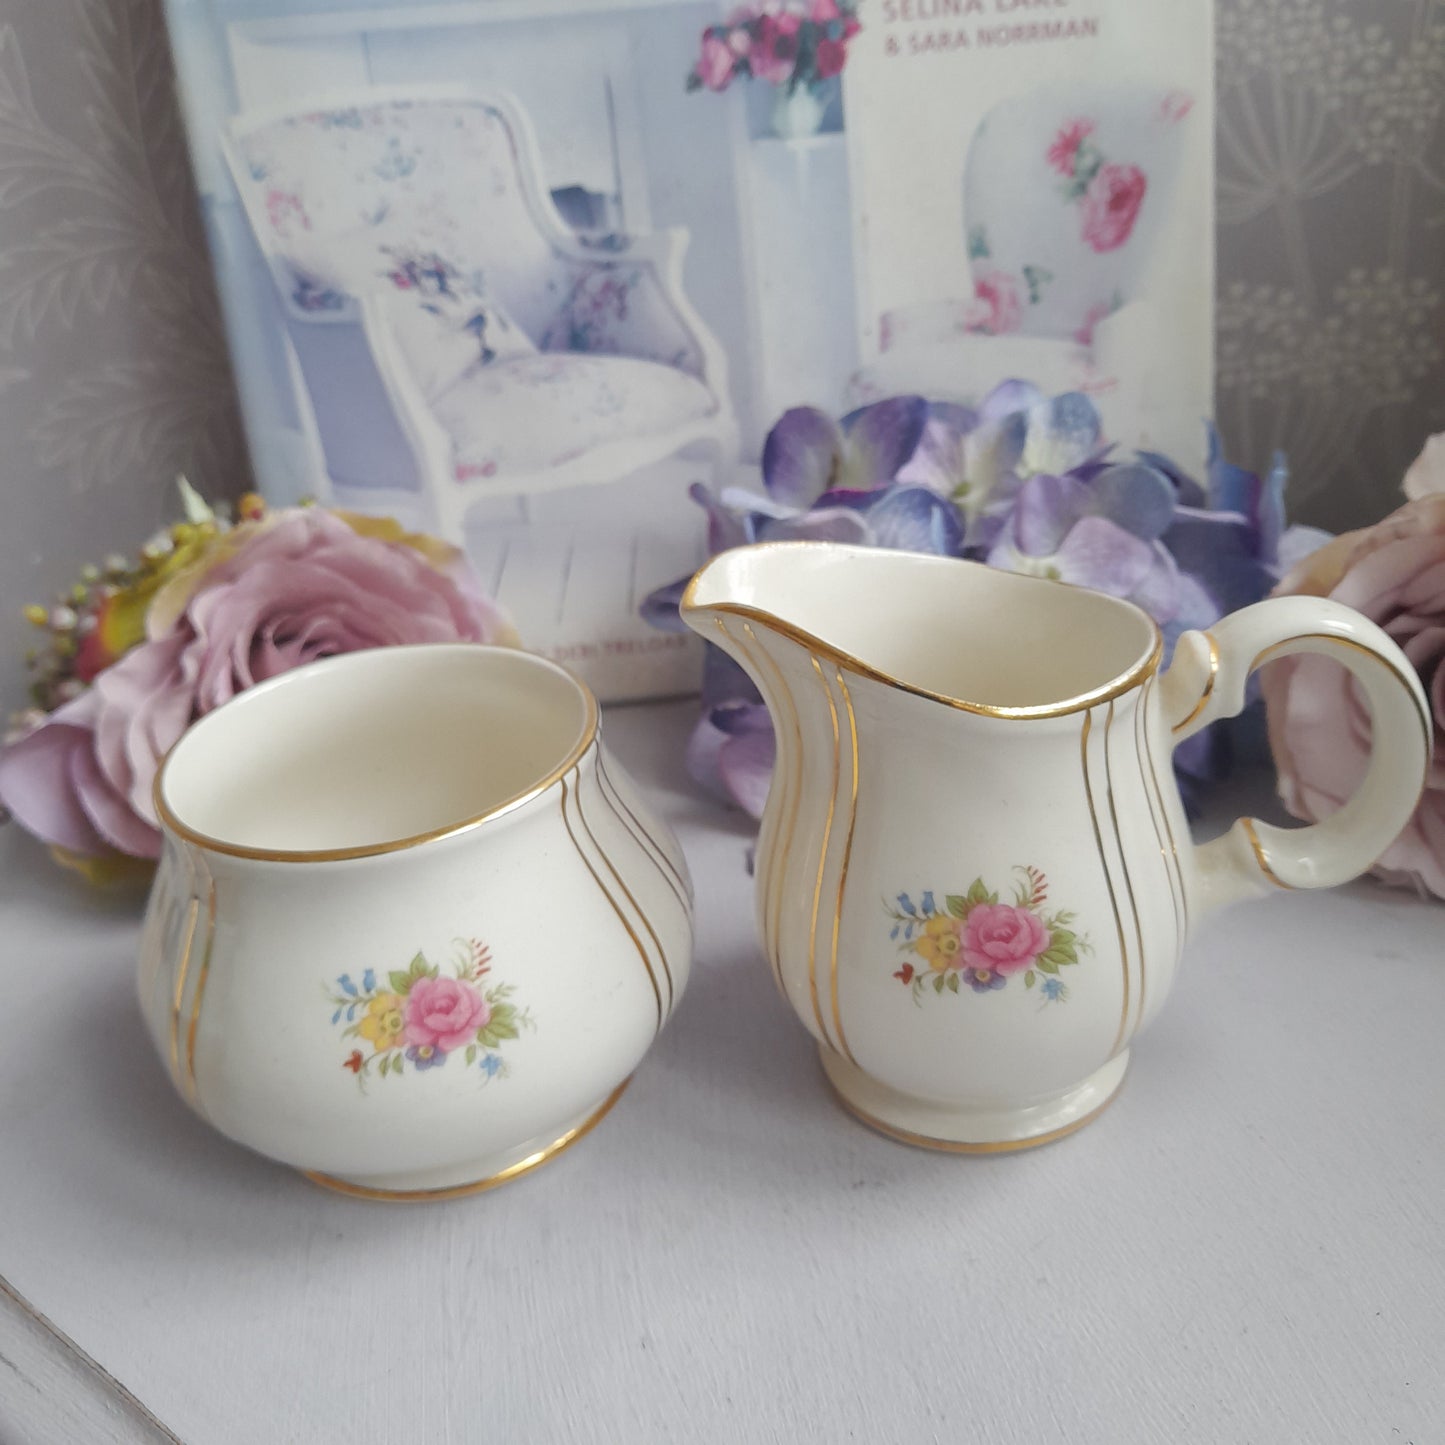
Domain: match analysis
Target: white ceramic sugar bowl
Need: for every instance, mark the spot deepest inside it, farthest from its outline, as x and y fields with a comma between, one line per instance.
x=413, y=927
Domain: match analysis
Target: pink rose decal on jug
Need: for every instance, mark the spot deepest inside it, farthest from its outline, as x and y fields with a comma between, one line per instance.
x=979, y=941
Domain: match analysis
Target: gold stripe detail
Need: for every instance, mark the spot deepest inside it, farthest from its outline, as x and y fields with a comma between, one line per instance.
x=1261, y=857
x=1426, y=722
x=1208, y=685
x=596, y=878
x=1141, y=744
x=791, y=776
x=823, y=854
x=183, y=967
x=479, y=1186
x=1168, y=826
x=1103, y=861
x=816, y=647
x=768, y=833
x=1128, y=884
x=843, y=870
x=626, y=891
x=788, y=770
x=951, y=1146
x=200, y=988
x=173, y=824
x=650, y=845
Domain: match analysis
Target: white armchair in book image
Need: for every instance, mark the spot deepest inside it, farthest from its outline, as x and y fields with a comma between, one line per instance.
x=1066, y=217
x=452, y=337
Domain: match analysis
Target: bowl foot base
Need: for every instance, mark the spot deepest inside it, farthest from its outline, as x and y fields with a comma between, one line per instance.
x=978, y=1129
x=455, y=1180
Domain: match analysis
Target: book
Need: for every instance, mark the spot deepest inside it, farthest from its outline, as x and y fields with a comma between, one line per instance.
x=525, y=273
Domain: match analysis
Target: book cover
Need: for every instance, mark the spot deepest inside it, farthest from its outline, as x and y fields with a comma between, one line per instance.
x=522, y=272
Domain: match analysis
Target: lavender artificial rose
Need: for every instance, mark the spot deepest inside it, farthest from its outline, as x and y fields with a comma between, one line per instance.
x=298, y=585
x=1319, y=724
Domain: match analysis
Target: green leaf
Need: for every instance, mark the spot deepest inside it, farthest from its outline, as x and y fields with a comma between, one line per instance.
x=504, y=1013
x=471, y=1054
x=957, y=905
x=1045, y=964
x=506, y=1030
x=1030, y=979
x=953, y=983
x=488, y=1039
x=1060, y=953
x=400, y=982
x=977, y=893
x=938, y=982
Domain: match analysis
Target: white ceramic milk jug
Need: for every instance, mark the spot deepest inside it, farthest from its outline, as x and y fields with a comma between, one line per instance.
x=974, y=876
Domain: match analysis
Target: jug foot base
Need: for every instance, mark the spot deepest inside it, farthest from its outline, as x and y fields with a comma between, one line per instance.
x=931, y=1125
x=459, y=1179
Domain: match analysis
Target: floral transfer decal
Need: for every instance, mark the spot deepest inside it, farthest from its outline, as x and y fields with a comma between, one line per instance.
x=977, y=940
x=1109, y=195
x=417, y=1019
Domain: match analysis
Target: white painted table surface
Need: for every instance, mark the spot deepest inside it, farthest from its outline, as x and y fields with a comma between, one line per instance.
x=1247, y=1247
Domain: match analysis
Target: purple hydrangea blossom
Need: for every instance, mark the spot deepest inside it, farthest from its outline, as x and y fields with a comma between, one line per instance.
x=1024, y=482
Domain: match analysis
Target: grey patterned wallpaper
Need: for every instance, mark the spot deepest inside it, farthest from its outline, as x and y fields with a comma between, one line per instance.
x=1331, y=195
x=113, y=373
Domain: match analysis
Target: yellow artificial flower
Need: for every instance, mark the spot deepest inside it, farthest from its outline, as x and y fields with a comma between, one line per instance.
x=941, y=943
x=107, y=870
x=382, y=1024
x=441, y=555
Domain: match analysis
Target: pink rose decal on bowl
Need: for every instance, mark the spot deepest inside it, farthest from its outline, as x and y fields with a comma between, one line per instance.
x=444, y=1013
x=1111, y=206
x=419, y=1017
x=975, y=939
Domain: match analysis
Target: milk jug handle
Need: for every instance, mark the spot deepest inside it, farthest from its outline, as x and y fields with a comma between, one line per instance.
x=1207, y=681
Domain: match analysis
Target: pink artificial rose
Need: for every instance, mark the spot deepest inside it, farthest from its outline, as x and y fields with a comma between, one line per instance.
x=444, y=1013
x=1111, y=206
x=1063, y=153
x=999, y=938
x=997, y=307
x=1319, y=724
x=1427, y=473
x=715, y=66
x=300, y=585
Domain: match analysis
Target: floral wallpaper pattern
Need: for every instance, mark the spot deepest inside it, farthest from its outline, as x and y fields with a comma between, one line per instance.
x=113, y=370
x=1331, y=225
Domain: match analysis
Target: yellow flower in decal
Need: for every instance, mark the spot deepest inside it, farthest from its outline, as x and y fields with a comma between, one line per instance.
x=941, y=943
x=381, y=1025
